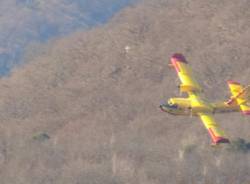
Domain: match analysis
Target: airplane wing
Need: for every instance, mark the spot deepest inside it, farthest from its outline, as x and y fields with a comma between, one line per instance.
x=184, y=71
x=216, y=134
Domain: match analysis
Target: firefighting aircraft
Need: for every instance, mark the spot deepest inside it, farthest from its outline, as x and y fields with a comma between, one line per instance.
x=194, y=105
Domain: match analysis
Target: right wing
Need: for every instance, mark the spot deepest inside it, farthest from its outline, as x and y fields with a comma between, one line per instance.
x=216, y=134
x=189, y=84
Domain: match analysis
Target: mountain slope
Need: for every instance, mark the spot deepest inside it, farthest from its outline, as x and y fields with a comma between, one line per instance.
x=29, y=22
x=85, y=109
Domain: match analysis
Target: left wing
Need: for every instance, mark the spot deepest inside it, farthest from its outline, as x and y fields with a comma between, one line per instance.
x=216, y=134
x=189, y=84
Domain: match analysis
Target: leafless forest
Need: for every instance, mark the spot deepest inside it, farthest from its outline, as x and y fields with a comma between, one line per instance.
x=83, y=109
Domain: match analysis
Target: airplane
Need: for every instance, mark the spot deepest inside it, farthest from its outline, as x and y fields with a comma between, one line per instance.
x=195, y=105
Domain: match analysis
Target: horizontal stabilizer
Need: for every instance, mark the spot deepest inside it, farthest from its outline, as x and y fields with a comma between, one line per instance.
x=240, y=96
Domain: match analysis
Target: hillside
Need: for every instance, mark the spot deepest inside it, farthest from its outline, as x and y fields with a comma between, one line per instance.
x=30, y=22
x=84, y=110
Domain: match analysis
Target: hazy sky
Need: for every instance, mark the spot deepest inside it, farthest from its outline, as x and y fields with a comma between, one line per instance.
x=23, y=22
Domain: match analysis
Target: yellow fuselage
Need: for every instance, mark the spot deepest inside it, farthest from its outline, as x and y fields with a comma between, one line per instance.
x=193, y=106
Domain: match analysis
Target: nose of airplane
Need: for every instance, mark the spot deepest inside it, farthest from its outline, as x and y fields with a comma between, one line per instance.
x=162, y=106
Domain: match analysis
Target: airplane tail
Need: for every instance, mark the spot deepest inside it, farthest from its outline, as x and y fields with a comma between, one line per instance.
x=240, y=96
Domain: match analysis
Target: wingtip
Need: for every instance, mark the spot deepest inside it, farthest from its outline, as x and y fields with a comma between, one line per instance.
x=233, y=82
x=178, y=57
x=221, y=140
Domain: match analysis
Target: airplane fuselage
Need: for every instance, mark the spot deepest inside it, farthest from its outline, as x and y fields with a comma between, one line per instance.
x=188, y=107
x=196, y=105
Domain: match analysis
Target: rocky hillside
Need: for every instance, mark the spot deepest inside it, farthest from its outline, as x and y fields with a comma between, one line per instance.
x=25, y=23
x=84, y=108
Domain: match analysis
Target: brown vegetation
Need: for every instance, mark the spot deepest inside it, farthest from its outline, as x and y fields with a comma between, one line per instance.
x=84, y=110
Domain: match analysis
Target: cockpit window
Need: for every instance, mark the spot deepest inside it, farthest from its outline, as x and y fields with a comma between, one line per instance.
x=174, y=106
x=171, y=105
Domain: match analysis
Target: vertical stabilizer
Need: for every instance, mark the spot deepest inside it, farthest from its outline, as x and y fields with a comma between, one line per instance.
x=240, y=95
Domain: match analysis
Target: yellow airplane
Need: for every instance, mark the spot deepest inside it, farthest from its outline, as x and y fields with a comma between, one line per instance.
x=194, y=105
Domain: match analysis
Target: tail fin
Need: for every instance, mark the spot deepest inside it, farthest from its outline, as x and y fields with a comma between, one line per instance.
x=240, y=96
